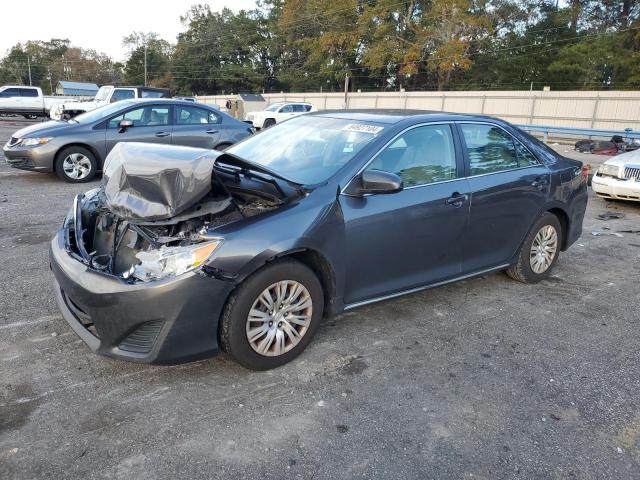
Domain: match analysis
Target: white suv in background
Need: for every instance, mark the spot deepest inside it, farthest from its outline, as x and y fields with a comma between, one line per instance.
x=278, y=112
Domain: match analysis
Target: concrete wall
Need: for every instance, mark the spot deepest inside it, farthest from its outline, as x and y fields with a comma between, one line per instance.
x=578, y=109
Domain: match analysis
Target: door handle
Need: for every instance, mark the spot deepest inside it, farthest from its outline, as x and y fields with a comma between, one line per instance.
x=456, y=199
x=211, y=131
x=162, y=134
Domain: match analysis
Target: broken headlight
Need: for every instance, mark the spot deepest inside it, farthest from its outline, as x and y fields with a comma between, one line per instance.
x=171, y=261
x=609, y=170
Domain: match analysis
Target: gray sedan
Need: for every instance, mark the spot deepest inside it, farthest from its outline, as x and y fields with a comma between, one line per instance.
x=75, y=149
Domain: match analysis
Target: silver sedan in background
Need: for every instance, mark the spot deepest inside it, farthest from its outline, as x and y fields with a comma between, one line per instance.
x=75, y=149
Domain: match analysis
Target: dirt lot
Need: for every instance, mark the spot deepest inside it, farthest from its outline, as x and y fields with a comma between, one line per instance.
x=486, y=379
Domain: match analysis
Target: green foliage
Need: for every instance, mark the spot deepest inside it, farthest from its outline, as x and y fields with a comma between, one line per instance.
x=304, y=45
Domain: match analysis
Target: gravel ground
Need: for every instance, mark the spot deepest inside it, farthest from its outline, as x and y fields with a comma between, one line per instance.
x=487, y=378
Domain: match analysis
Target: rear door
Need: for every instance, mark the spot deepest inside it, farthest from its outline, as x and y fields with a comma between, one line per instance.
x=151, y=124
x=31, y=102
x=508, y=185
x=414, y=237
x=197, y=127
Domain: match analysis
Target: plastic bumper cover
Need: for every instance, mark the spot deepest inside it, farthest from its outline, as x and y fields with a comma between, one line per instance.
x=168, y=321
x=609, y=187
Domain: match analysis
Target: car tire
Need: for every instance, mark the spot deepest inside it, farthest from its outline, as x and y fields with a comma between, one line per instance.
x=528, y=268
x=76, y=164
x=235, y=325
x=269, y=122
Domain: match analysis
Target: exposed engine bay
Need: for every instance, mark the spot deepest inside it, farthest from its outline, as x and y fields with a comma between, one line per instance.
x=157, y=209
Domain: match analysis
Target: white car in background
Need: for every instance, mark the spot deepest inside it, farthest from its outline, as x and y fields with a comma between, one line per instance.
x=619, y=177
x=27, y=101
x=278, y=112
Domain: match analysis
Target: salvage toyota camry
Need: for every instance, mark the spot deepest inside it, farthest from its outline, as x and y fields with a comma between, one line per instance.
x=181, y=252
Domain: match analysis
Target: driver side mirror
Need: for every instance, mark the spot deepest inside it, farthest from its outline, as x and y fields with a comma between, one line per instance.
x=124, y=124
x=375, y=182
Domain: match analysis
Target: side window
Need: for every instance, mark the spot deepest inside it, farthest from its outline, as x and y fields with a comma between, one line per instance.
x=122, y=95
x=143, y=117
x=307, y=108
x=28, y=92
x=10, y=92
x=490, y=148
x=195, y=116
x=299, y=108
x=151, y=94
x=286, y=109
x=525, y=157
x=420, y=156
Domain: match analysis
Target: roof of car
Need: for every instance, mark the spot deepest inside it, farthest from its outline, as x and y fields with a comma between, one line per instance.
x=391, y=116
x=177, y=101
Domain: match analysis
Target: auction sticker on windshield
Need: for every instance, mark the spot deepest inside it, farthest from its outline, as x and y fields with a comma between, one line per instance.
x=361, y=127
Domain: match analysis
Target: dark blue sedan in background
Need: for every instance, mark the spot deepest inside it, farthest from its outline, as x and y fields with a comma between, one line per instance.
x=76, y=148
x=183, y=251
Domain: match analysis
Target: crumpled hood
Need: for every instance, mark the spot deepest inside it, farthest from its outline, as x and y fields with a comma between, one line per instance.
x=43, y=129
x=143, y=181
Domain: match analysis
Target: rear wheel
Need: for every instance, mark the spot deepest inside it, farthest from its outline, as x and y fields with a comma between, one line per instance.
x=539, y=251
x=269, y=122
x=271, y=318
x=76, y=164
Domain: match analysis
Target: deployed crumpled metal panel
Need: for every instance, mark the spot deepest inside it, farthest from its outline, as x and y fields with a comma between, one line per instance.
x=143, y=181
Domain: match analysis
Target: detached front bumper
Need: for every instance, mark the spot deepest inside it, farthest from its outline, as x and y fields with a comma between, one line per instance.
x=38, y=158
x=609, y=187
x=167, y=321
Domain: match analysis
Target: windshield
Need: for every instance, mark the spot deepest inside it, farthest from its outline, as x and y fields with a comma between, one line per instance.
x=273, y=107
x=307, y=149
x=102, y=94
x=100, y=113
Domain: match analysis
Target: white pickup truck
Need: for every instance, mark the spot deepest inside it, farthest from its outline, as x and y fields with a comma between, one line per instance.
x=27, y=101
x=106, y=94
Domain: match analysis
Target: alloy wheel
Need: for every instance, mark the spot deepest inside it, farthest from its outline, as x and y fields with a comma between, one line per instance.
x=543, y=249
x=279, y=318
x=76, y=166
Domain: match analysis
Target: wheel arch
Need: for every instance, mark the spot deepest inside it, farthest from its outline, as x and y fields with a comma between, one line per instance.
x=313, y=259
x=56, y=158
x=563, y=218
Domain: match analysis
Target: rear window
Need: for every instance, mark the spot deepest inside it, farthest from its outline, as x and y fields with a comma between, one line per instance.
x=28, y=92
x=151, y=94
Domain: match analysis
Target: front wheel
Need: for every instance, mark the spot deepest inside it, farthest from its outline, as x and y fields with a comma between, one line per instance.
x=271, y=318
x=76, y=165
x=269, y=122
x=539, y=251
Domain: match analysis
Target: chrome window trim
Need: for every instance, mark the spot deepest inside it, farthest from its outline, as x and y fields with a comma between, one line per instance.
x=503, y=171
x=380, y=150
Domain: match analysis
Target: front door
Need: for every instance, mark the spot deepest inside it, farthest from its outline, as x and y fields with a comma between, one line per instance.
x=399, y=241
x=508, y=188
x=151, y=124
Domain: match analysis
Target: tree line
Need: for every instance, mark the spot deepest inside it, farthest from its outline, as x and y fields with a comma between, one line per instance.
x=313, y=45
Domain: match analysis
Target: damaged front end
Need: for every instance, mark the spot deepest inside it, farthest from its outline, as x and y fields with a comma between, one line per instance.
x=155, y=214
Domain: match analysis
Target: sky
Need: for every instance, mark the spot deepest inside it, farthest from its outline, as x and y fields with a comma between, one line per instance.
x=98, y=25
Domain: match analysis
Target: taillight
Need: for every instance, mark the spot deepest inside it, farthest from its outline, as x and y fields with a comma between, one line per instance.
x=585, y=171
